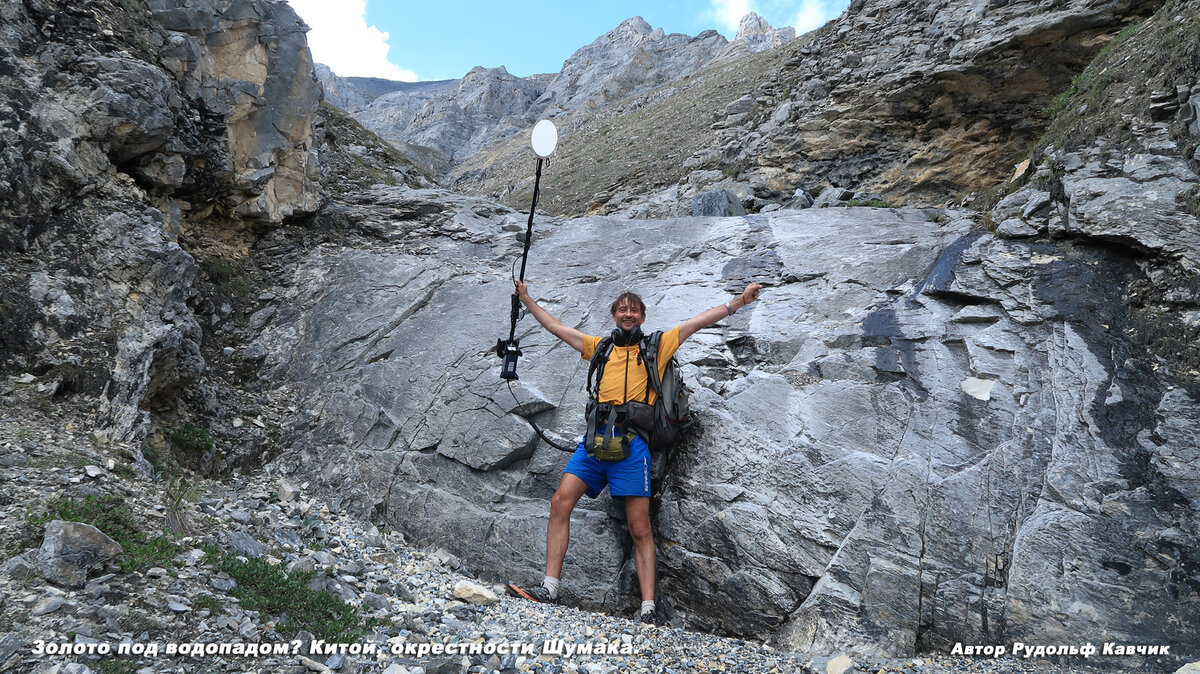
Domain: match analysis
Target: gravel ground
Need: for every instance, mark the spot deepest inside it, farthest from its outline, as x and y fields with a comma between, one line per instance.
x=419, y=599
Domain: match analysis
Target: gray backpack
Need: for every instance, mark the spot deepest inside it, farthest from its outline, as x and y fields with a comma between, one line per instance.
x=660, y=424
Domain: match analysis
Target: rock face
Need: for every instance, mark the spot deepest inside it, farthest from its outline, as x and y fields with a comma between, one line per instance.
x=917, y=101
x=249, y=62
x=902, y=444
x=114, y=142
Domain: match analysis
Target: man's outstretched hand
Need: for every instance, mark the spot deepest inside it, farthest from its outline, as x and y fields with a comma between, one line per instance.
x=751, y=293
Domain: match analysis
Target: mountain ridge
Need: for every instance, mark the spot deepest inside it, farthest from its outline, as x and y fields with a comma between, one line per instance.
x=630, y=58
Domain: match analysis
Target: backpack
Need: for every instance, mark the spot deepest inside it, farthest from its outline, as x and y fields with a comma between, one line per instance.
x=659, y=425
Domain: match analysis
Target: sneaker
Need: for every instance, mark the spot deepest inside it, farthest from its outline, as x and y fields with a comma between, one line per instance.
x=651, y=618
x=540, y=594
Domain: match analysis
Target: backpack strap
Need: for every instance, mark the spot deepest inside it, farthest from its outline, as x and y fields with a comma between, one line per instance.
x=649, y=353
x=596, y=366
x=598, y=414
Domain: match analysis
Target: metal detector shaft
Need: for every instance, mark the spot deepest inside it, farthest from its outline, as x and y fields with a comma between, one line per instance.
x=537, y=182
x=516, y=302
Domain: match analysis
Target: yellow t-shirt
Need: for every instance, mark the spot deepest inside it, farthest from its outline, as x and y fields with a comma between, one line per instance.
x=624, y=377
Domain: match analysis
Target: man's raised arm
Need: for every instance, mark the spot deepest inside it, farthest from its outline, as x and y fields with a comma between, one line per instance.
x=710, y=316
x=571, y=336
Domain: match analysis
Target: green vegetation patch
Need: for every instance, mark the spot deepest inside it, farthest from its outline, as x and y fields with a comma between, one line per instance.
x=229, y=276
x=1113, y=93
x=191, y=438
x=208, y=602
x=264, y=587
x=111, y=515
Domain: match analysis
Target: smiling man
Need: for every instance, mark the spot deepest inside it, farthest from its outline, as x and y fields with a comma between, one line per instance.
x=613, y=453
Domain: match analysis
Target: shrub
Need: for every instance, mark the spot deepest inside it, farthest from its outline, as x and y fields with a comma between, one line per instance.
x=111, y=515
x=191, y=438
x=264, y=587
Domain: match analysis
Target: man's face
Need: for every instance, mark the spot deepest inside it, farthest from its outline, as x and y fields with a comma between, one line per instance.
x=628, y=315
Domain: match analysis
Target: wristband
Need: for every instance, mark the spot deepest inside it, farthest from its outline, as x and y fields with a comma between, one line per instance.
x=730, y=309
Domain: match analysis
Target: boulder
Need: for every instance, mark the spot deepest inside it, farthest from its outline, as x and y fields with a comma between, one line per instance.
x=832, y=196
x=720, y=203
x=69, y=549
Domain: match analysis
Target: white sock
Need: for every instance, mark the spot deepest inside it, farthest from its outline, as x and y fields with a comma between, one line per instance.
x=551, y=584
x=647, y=607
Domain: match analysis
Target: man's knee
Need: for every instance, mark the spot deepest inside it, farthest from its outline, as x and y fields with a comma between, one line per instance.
x=640, y=529
x=562, y=503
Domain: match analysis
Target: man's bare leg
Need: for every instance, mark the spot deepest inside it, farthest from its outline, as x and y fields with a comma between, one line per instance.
x=558, y=533
x=637, y=512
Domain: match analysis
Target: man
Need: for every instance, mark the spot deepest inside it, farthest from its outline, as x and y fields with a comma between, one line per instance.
x=624, y=380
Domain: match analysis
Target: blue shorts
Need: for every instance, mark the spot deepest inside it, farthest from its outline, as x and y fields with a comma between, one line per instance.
x=628, y=477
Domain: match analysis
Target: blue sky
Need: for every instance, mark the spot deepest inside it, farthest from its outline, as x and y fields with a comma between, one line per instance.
x=443, y=40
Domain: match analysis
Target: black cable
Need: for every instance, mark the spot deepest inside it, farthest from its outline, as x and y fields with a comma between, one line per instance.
x=535, y=426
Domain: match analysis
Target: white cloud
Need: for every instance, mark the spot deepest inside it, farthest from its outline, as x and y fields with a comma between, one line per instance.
x=340, y=38
x=728, y=13
x=813, y=14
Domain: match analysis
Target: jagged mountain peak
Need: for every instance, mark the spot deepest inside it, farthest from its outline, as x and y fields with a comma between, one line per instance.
x=634, y=25
x=477, y=71
x=752, y=24
x=488, y=104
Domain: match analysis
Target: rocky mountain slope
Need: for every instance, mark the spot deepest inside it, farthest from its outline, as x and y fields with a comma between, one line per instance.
x=940, y=426
x=455, y=119
x=918, y=105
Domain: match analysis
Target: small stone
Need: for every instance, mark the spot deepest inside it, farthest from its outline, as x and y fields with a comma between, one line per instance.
x=287, y=491
x=223, y=584
x=312, y=665
x=244, y=544
x=838, y=665
x=376, y=601
x=93, y=471
x=474, y=593
x=178, y=607
x=978, y=388
x=47, y=605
